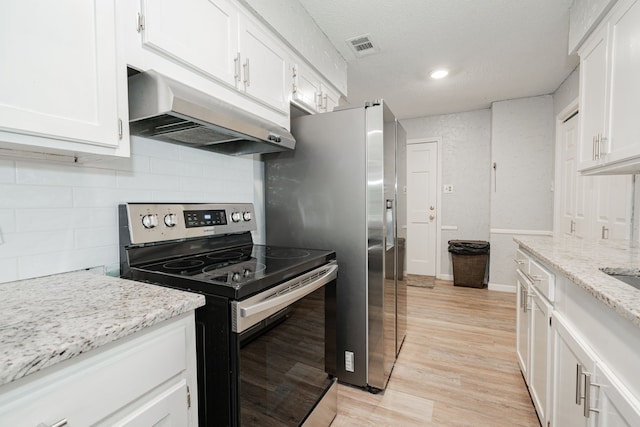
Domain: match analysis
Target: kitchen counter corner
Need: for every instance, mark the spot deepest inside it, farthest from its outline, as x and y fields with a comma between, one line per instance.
x=50, y=319
x=580, y=261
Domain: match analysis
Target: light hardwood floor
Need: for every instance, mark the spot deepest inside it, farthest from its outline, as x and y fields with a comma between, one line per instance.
x=457, y=366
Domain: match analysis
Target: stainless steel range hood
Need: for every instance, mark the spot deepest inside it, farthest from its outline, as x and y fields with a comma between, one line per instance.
x=164, y=109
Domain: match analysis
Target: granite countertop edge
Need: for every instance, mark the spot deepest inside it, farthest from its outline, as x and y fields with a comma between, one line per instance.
x=580, y=261
x=47, y=320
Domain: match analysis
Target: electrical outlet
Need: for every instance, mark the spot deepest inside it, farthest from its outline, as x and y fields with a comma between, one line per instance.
x=348, y=361
x=447, y=188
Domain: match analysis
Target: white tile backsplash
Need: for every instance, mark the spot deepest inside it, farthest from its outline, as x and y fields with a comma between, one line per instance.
x=63, y=217
x=28, y=196
x=7, y=171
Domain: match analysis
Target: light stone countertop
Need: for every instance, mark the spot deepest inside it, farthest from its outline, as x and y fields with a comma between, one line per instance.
x=580, y=260
x=50, y=319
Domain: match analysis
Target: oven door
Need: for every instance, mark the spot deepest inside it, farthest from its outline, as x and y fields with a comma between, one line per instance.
x=287, y=354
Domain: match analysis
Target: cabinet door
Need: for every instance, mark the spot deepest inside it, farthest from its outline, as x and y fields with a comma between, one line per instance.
x=593, y=91
x=329, y=99
x=617, y=407
x=167, y=410
x=522, y=324
x=539, y=360
x=59, y=73
x=613, y=195
x=571, y=362
x=264, y=67
x=306, y=89
x=625, y=85
x=200, y=34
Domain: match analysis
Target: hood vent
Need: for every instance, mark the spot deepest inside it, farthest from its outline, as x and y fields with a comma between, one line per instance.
x=164, y=109
x=362, y=45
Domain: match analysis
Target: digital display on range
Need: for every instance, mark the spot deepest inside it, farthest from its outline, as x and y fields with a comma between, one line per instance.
x=204, y=218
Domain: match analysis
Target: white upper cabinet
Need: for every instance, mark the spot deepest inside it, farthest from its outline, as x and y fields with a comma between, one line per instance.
x=62, y=86
x=310, y=92
x=214, y=46
x=263, y=63
x=624, y=125
x=593, y=98
x=305, y=90
x=610, y=94
x=200, y=34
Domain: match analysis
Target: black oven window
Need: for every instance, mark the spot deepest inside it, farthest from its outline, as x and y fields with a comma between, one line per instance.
x=283, y=366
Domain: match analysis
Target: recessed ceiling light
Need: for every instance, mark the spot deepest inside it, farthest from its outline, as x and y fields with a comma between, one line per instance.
x=439, y=74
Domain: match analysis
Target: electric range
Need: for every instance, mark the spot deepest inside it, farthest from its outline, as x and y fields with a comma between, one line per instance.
x=266, y=336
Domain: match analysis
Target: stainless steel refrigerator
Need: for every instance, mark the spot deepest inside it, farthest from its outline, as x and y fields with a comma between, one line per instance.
x=343, y=188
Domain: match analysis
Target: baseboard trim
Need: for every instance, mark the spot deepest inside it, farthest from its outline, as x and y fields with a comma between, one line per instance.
x=521, y=232
x=445, y=277
x=502, y=288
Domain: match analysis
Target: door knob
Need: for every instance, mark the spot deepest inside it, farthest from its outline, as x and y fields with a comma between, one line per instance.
x=432, y=217
x=431, y=208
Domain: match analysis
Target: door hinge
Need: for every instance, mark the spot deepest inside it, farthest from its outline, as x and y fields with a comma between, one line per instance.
x=188, y=398
x=120, y=130
x=140, y=22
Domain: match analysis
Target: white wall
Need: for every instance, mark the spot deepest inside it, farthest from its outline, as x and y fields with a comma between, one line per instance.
x=63, y=217
x=466, y=139
x=567, y=92
x=522, y=146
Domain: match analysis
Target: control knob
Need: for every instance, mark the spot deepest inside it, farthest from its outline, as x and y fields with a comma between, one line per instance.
x=246, y=216
x=150, y=221
x=170, y=220
x=236, y=217
x=235, y=277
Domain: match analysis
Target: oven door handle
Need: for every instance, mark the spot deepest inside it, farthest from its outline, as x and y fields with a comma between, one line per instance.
x=291, y=294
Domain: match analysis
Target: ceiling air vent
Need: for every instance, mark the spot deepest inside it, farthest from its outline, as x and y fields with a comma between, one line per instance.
x=362, y=45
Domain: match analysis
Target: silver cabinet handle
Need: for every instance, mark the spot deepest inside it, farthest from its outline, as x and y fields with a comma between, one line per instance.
x=60, y=423
x=587, y=410
x=518, y=261
x=593, y=148
x=247, y=75
x=236, y=67
x=587, y=395
x=578, y=384
x=605, y=232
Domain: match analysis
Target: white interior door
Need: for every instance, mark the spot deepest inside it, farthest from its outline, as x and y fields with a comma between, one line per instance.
x=422, y=163
x=574, y=186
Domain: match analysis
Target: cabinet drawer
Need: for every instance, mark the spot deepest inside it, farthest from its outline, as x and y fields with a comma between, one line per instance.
x=522, y=261
x=86, y=390
x=542, y=279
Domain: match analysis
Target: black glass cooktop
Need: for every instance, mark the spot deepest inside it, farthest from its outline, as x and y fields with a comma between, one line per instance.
x=235, y=272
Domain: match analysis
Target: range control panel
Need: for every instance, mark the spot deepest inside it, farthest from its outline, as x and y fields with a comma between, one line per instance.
x=157, y=222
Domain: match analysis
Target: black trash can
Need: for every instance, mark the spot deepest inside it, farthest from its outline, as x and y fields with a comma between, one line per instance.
x=470, y=259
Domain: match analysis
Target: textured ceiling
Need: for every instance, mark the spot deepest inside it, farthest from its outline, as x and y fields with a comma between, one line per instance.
x=495, y=49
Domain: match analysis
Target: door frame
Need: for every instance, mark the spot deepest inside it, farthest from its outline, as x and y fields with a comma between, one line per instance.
x=438, y=141
x=566, y=112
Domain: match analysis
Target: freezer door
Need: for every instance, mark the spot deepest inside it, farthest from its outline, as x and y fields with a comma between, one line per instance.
x=401, y=229
x=381, y=218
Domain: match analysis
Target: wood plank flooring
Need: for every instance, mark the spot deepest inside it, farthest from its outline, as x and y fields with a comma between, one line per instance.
x=457, y=366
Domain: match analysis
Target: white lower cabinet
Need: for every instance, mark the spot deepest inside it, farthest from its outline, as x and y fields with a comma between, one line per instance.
x=146, y=379
x=533, y=339
x=616, y=406
x=522, y=324
x=572, y=365
x=539, y=355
